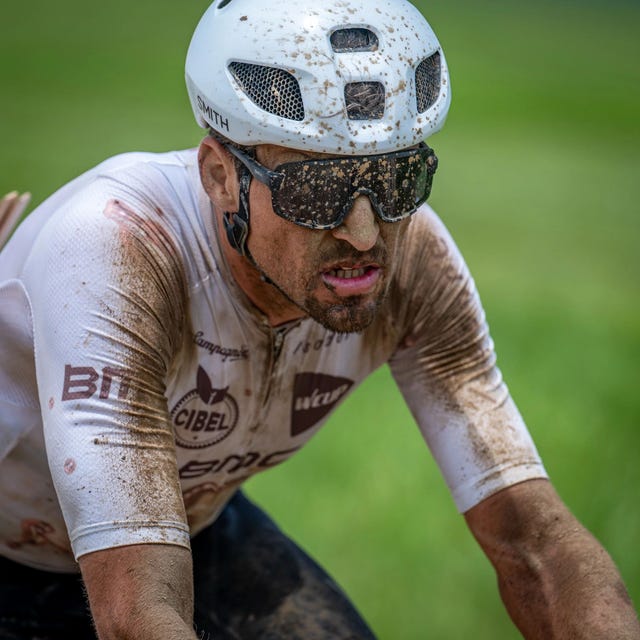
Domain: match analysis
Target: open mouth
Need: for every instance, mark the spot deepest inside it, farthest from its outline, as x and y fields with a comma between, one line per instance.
x=348, y=273
x=350, y=281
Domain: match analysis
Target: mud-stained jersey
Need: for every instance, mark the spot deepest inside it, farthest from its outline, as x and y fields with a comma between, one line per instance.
x=139, y=387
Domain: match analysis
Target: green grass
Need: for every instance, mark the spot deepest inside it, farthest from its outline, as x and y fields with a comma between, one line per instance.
x=538, y=183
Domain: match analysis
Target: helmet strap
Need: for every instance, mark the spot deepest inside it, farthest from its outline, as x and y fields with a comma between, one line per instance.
x=237, y=224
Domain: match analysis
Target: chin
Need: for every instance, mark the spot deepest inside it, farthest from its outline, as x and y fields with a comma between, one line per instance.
x=352, y=316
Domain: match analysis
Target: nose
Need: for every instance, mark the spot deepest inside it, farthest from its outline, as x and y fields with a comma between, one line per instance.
x=360, y=227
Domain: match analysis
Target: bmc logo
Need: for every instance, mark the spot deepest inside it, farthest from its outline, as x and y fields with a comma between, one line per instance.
x=82, y=382
x=235, y=462
x=204, y=416
x=314, y=396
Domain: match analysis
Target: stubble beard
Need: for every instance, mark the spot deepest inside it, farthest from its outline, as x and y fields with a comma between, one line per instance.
x=350, y=316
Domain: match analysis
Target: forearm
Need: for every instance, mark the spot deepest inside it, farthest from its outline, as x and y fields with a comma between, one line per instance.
x=145, y=623
x=575, y=592
x=555, y=578
x=140, y=592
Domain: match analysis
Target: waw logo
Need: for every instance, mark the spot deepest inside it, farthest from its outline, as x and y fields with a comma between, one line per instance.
x=314, y=396
x=204, y=416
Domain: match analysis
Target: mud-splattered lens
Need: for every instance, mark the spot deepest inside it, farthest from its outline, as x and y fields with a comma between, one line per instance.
x=319, y=193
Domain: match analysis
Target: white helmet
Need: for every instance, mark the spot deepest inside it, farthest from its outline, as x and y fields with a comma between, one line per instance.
x=336, y=76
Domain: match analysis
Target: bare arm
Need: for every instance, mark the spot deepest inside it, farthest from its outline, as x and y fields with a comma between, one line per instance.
x=555, y=579
x=140, y=592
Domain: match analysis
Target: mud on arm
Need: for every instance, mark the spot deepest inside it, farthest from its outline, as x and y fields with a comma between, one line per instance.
x=159, y=575
x=445, y=367
x=108, y=299
x=555, y=578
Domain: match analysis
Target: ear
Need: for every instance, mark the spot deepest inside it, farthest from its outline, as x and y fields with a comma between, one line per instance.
x=218, y=174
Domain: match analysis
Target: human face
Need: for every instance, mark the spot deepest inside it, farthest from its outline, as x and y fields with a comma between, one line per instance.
x=339, y=276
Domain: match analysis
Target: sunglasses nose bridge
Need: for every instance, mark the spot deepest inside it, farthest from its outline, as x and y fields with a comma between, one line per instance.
x=351, y=202
x=370, y=195
x=359, y=226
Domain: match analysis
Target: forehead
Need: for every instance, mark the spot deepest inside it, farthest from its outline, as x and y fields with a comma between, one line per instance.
x=272, y=155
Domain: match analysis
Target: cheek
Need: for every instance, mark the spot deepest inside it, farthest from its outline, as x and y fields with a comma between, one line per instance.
x=392, y=232
x=263, y=222
x=273, y=240
x=287, y=251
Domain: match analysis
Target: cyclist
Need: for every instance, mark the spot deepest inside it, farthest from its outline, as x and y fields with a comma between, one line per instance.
x=175, y=323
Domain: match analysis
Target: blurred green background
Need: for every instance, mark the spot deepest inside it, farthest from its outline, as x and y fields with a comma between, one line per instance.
x=538, y=182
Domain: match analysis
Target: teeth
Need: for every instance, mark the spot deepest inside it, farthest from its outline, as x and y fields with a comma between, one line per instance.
x=348, y=273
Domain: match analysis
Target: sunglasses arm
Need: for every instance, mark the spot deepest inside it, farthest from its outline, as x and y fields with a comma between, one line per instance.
x=264, y=175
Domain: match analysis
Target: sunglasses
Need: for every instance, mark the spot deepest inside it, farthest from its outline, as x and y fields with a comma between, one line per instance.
x=319, y=193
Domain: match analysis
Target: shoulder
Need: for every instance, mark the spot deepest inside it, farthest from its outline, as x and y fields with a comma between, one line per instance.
x=156, y=175
x=117, y=226
x=428, y=263
x=145, y=180
x=427, y=239
x=140, y=194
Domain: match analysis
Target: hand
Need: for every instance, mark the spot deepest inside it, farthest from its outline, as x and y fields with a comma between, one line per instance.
x=12, y=206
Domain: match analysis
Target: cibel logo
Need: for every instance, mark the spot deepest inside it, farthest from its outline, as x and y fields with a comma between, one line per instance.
x=205, y=415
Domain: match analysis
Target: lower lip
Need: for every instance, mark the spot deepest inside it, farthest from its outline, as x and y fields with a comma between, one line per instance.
x=361, y=285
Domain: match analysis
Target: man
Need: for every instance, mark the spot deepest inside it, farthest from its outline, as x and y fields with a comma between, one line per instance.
x=150, y=321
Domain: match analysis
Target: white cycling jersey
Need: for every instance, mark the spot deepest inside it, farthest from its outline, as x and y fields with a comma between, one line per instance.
x=139, y=387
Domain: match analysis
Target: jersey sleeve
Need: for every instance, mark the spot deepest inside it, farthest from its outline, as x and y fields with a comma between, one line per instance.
x=108, y=298
x=445, y=367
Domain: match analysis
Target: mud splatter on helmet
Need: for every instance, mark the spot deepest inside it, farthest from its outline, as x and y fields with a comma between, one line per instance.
x=335, y=76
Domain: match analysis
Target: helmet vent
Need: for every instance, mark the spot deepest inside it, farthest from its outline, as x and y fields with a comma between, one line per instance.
x=428, y=78
x=355, y=39
x=272, y=89
x=222, y=4
x=364, y=100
